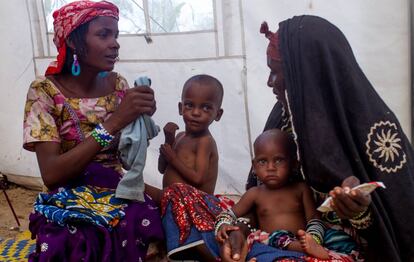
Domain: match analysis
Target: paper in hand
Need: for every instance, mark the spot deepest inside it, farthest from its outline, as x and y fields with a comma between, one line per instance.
x=365, y=188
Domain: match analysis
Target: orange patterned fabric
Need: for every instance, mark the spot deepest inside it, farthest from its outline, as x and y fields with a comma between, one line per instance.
x=71, y=16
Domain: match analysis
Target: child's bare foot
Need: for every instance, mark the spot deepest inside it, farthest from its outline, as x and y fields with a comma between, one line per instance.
x=310, y=247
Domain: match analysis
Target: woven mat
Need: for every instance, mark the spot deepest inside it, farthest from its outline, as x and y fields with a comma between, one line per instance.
x=17, y=249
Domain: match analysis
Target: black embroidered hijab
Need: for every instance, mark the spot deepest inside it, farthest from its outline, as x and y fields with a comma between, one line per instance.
x=344, y=128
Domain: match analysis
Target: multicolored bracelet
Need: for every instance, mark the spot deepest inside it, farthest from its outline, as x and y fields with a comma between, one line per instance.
x=102, y=136
x=317, y=239
x=317, y=229
x=229, y=218
x=224, y=218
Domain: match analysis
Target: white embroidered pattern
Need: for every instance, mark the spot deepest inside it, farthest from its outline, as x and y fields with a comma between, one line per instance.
x=384, y=147
x=145, y=222
x=124, y=243
x=43, y=247
x=72, y=229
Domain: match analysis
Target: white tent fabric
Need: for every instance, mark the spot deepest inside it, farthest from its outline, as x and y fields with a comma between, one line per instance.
x=234, y=52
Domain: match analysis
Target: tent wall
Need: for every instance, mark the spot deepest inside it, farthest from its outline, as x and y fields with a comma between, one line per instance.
x=234, y=53
x=16, y=72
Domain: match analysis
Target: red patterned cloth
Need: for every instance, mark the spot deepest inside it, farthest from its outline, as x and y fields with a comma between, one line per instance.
x=68, y=18
x=273, y=47
x=192, y=207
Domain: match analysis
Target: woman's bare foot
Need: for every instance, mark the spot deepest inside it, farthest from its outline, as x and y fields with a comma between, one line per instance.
x=310, y=247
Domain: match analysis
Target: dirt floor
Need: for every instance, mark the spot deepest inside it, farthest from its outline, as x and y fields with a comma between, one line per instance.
x=22, y=201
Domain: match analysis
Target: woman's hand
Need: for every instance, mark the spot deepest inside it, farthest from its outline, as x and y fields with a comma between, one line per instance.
x=223, y=232
x=349, y=203
x=137, y=101
x=234, y=248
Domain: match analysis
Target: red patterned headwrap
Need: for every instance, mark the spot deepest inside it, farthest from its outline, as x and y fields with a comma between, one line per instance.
x=273, y=47
x=68, y=18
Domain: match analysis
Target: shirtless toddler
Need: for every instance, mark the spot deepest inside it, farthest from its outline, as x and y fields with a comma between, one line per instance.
x=191, y=157
x=295, y=207
x=189, y=162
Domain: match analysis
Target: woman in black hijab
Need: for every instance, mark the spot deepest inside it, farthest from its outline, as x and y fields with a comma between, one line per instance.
x=345, y=135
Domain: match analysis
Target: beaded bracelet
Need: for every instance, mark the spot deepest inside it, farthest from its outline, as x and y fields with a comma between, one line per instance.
x=362, y=220
x=317, y=229
x=317, y=239
x=101, y=142
x=229, y=218
x=102, y=132
x=360, y=214
x=101, y=136
x=224, y=218
x=246, y=221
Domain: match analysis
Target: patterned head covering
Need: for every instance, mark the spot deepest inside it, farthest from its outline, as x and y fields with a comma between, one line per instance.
x=70, y=17
x=273, y=47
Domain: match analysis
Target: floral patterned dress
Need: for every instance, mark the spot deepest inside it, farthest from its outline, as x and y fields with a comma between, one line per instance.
x=58, y=222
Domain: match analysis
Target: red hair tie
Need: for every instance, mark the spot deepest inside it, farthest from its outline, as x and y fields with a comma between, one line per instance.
x=273, y=47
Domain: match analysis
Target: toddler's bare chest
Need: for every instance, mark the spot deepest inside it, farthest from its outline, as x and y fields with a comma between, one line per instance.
x=186, y=150
x=279, y=203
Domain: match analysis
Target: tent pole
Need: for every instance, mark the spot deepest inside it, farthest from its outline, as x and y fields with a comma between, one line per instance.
x=244, y=80
x=4, y=184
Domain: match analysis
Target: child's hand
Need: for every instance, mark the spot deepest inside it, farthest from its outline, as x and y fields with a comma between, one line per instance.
x=167, y=152
x=222, y=234
x=169, y=132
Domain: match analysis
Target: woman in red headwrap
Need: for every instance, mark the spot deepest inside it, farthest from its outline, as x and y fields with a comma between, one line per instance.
x=345, y=134
x=72, y=121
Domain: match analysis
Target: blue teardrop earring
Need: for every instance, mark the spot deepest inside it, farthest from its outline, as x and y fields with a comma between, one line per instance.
x=75, y=66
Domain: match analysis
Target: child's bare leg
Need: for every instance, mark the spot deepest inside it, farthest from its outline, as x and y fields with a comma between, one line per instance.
x=295, y=246
x=310, y=247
